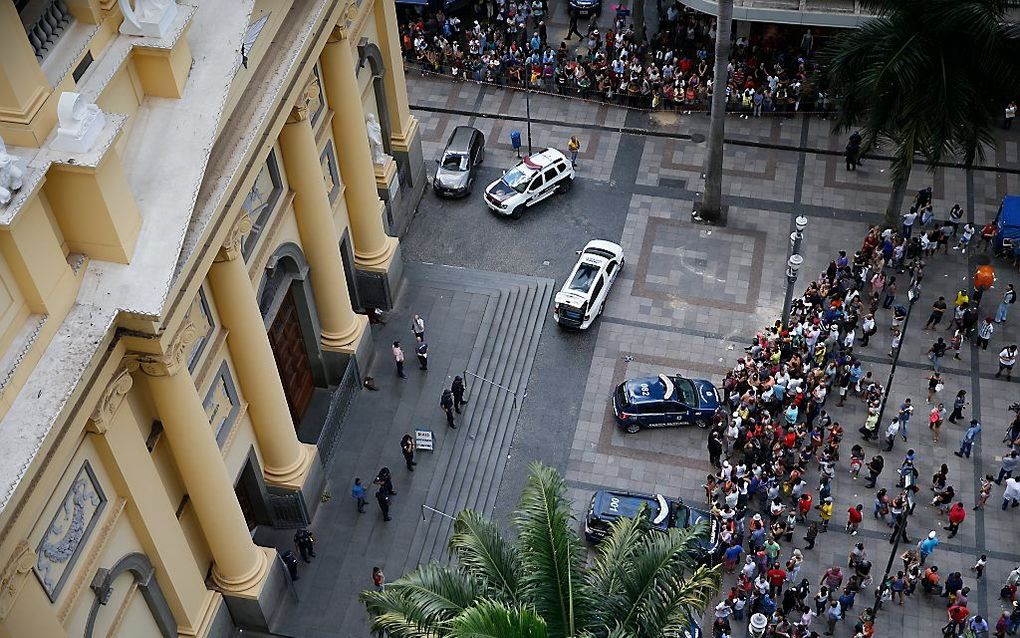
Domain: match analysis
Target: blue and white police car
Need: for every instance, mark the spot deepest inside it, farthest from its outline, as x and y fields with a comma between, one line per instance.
x=664, y=401
x=662, y=513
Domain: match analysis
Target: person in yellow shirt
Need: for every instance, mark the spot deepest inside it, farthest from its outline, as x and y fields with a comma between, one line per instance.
x=574, y=146
x=825, y=511
x=961, y=298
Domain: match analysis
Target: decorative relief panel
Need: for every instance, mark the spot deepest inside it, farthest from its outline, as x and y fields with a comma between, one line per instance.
x=261, y=200
x=68, y=531
x=221, y=404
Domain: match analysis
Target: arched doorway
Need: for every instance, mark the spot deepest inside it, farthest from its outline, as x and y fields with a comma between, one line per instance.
x=139, y=566
x=288, y=311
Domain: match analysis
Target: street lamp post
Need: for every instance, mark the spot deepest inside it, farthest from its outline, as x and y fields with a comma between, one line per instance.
x=797, y=236
x=792, y=268
x=912, y=295
x=527, y=106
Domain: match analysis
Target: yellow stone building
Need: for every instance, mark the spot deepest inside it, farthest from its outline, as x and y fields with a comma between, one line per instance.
x=198, y=205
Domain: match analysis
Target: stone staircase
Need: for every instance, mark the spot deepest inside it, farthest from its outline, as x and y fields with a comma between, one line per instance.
x=470, y=467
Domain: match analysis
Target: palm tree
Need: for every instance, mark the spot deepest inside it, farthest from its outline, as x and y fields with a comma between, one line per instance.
x=642, y=583
x=711, y=204
x=927, y=78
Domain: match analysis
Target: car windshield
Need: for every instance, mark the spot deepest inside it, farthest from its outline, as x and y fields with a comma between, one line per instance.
x=455, y=162
x=685, y=392
x=517, y=179
x=584, y=277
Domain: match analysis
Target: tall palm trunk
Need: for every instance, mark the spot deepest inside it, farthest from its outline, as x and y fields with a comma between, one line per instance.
x=894, y=209
x=711, y=206
x=638, y=16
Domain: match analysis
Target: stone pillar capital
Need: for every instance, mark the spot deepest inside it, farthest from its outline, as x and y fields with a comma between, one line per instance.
x=13, y=575
x=112, y=396
x=299, y=112
x=231, y=248
x=174, y=359
x=342, y=29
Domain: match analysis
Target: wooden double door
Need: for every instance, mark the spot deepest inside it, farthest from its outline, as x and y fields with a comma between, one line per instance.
x=292, y=358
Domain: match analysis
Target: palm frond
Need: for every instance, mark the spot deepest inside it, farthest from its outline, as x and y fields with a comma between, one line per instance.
x=551, y=553
x=655, y=583
x=423, y=601
x=606, y=576
x=492, y=619
x=486, y=555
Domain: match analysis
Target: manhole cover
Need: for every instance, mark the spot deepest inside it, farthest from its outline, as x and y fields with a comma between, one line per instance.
x=700, y=263
x=697, y=138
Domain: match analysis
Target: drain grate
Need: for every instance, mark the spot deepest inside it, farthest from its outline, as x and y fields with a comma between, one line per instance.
x=700, y=262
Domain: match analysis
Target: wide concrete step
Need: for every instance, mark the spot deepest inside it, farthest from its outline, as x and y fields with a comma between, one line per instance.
x=485, y=426
x=472, y=479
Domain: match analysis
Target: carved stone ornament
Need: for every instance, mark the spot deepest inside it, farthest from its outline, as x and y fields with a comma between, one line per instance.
x=235, y=237
x=375, y=141
x=10, y=175
x=150, y=18
x=176, y=357
x=112, y=397
x=300, y=111
x=79, y=123
x=13, y=576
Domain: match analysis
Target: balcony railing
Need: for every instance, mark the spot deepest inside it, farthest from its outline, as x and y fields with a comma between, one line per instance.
x=45, y=21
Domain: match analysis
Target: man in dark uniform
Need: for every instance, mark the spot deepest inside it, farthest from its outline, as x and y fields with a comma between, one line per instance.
x=407, y=449
x=421, y=349
x=384, y=480
x=305, y=543
x=384, y=503
x=458, y=393
x=290, y=560
x=446, y=403
x=573, y=25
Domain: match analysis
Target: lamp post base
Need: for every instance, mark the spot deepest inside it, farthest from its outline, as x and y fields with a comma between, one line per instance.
x=703, y=215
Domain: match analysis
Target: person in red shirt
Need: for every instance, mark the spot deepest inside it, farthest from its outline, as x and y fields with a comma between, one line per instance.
x=957, y=618
x=854, y=517
x=776, y=577
x=956, y=515
x=804, y=504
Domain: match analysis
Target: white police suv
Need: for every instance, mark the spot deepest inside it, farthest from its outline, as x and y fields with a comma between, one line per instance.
x=584, y=293
x=535, y=178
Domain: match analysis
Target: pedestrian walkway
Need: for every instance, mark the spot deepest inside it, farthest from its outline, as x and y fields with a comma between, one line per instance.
x=485, y=323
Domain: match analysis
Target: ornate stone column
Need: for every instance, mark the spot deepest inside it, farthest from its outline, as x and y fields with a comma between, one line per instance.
x=122, y=449
x=372, y=247
x=285, y=461
x=341, y=327
x=239, y=565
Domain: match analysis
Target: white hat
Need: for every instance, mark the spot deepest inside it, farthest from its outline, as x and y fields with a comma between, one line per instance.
x=931, y=534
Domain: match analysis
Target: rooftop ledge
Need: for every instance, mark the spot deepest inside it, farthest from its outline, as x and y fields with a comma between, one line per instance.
x=810, y=13
x=165, y=159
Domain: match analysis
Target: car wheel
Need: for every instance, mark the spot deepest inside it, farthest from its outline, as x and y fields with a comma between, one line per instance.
x=633, y=428
x=565, y=185
x=701, y=423
x=517, y=212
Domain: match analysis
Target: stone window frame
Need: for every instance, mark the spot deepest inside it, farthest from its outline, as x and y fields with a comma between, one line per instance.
x=86, y=468
x=314, y=118
x=222, y=432
x=259, y=223
x=203, y=340
x=329, y=155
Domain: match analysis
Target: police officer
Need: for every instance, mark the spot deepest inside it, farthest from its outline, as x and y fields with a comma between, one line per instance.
x=458, y=393
x=446, y=403
x=305, y=543
x=384, y=504
x=290, y=560
x=421, y=349
x=384, y=480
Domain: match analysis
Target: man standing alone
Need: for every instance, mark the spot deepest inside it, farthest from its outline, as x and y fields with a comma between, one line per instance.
x=458, y=393
x=407, y=448
x=398, y=358
x=421, y=350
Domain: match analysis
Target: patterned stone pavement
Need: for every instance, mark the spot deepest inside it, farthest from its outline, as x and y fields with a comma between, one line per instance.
x=692, y=296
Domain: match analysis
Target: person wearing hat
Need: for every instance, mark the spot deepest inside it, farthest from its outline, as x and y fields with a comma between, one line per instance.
x=825, y=512
x=926, y=546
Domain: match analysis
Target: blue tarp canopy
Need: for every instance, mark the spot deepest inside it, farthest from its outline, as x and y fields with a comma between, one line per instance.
x=1008, y=221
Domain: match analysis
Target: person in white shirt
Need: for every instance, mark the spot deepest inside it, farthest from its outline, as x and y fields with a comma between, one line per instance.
x=908, y=223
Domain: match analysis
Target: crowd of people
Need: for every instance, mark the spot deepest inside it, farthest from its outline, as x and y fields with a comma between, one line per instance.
x=779, y=431
x=507, y=43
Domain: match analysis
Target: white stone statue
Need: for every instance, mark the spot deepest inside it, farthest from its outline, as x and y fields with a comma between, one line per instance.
x=375, y=139
x=150, y=18
x=79, y=123
x=10, y=175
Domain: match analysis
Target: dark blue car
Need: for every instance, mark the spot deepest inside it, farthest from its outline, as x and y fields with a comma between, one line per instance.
x=662, y=513
x=664, y=401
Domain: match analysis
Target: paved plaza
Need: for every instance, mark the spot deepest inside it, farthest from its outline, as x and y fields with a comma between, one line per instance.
x=690, y=300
